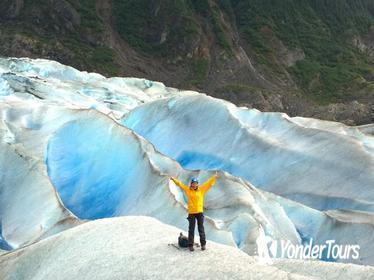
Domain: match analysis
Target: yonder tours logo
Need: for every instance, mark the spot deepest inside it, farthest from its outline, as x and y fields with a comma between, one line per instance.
x=330, y=250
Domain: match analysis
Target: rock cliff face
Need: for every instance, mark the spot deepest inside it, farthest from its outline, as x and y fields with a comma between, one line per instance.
x=312, y=59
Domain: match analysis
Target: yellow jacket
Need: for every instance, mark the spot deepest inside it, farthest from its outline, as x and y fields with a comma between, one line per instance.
x=196, y=197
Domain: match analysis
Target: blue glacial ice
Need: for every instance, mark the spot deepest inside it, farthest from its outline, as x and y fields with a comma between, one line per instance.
x=315, y=165
x=78, y=146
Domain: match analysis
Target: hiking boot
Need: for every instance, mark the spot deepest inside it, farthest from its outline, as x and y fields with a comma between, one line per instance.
x=202, y=247
x=191, y=248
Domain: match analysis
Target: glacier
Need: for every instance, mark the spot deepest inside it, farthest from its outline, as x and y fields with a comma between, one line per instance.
x=83, y=252
x=77, y=147
x=276, y=153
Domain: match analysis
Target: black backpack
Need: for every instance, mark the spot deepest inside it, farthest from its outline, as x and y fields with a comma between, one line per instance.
x=182, y=241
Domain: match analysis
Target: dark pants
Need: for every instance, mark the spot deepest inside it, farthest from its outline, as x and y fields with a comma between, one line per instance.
x=191, y=228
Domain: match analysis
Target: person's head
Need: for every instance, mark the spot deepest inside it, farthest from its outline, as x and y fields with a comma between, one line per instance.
x=194, y=183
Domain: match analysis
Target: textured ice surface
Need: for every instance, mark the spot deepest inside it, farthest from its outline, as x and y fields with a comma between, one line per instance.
x=77, y=146
x=135, y=247
x=321, y=164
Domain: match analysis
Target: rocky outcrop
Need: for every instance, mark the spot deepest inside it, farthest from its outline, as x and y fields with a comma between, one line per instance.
x=68, y=16
x=10, y=9
x=366, y=43
x=351, y=113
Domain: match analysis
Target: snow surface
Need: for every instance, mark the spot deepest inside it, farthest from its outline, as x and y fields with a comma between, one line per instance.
x=77, y=146
x=136, y=247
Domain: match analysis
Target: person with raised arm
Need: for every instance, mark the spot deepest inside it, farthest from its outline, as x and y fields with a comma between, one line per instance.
x=195, y=195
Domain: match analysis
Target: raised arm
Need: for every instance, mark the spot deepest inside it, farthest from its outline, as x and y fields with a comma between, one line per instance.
x=179, y=183
x=209, y=183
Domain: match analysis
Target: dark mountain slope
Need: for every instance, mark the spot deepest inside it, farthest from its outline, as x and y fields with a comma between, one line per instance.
x=303, y=57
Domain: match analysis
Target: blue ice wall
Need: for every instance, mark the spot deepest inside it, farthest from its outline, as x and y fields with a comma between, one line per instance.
x=3, y=244
x=91, y=166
